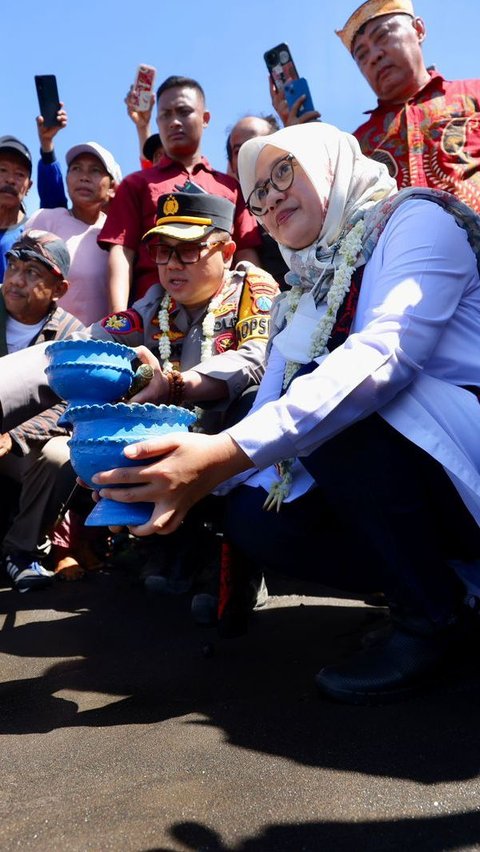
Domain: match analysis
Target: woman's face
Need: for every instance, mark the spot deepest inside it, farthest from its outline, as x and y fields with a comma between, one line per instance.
x=294, y=216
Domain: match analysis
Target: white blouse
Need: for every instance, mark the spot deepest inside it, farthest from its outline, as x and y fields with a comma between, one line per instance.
x=414, y=343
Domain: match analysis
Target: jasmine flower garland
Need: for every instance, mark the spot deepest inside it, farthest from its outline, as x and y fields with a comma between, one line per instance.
x=164, y=345
x=208, y=328
x=349, y=250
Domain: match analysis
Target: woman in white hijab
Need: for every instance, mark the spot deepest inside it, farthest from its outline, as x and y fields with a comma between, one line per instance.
x=366, y=427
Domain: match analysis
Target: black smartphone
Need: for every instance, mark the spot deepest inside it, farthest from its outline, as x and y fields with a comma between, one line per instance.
x=190, y=186
x=281, y=66
x=48, y=100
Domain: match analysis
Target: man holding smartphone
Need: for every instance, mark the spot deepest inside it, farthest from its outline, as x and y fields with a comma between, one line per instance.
x=181, y=118
x=425, y=129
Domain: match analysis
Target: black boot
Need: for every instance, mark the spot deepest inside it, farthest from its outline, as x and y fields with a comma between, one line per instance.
x=401, y=663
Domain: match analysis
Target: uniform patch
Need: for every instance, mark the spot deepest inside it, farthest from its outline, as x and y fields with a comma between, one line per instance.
x=173, y=335
x=224, y=341
x=258, y=295
x=253, y=328
x=225, y=308
x=123, y=322
x=262, y=304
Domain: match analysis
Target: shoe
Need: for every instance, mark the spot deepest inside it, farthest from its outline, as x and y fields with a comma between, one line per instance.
x=204, y=609
x=25, y=572
x=402, y=663
x=158, y=584
x=204, y=606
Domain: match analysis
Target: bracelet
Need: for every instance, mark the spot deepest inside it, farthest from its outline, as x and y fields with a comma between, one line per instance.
x=176, y=387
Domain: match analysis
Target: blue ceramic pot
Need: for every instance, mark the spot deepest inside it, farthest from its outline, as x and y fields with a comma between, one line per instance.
x=88, y=371
x=100, y=433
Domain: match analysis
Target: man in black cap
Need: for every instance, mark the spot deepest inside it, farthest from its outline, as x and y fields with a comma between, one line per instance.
x=34, y=454
x=15, y=181
x=207, y=324
x=204, y=329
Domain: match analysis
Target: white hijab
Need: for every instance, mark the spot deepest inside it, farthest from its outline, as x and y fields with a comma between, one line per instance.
x=340, y=173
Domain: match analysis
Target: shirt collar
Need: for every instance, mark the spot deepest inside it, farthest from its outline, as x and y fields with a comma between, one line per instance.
x=435, y=76
x=166, y=162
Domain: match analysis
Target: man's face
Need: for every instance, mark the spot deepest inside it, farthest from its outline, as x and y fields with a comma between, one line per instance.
x=389, y=55
x=246, y=128
x=28, y=289
x=14, y=179
x=181, y=118
x=195, y=284
x=88, y=181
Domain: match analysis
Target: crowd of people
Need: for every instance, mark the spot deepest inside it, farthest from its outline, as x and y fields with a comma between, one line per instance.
x=319, y=308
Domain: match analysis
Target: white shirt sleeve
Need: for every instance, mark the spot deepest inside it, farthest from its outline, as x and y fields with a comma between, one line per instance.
x=421, y=268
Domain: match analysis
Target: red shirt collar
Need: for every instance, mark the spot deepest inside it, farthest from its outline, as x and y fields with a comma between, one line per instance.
x=435, y=77
x=166, y=162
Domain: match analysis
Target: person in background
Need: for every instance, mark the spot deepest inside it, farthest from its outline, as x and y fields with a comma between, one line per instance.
x=425, y=129
x=50, y=186
x=15, y=182
x=35, y=454
x=181, y=118
x=363, y=442
x=92, y=178
x=150, y=146
x=152, y=151
x=247, y=128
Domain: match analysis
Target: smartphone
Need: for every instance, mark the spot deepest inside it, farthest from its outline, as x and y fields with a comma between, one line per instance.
x=293, y=90
x=281, y=66
x=48, y=100
x=143, y=86
x=190, y=186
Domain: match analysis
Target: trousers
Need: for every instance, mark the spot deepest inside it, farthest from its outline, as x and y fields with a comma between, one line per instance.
x=46, y=478
x=384, y=516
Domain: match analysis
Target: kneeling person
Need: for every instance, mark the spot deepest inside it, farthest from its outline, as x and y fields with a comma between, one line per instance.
x=35, y=453
x=204, y=326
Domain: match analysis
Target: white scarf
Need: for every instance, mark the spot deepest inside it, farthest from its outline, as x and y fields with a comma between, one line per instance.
x=346, y=181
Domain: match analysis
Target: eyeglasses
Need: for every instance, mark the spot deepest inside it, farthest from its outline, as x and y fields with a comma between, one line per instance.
x=184, y=252
x=281, y=178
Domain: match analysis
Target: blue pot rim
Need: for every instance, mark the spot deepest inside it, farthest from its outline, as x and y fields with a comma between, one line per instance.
x=92, y=365
x=172, y=413
x=110, y=346
x=86, y=442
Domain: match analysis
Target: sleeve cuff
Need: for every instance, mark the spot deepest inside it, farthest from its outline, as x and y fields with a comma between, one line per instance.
x=47, y=157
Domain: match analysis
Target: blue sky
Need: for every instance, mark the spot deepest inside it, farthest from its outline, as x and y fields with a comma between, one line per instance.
x=94, y=49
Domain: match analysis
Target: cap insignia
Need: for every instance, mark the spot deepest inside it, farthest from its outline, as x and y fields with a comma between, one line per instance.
x=171, y=206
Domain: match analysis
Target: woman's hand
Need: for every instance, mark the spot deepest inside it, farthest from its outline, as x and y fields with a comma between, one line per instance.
x=186, y=467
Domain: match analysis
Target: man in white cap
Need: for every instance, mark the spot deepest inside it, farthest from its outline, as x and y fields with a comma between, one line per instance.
x=425, y=129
